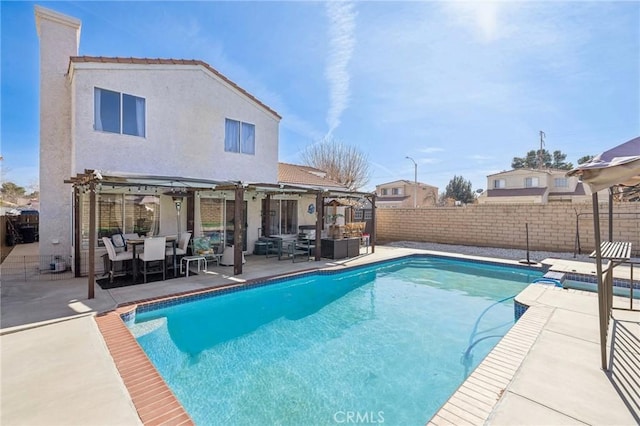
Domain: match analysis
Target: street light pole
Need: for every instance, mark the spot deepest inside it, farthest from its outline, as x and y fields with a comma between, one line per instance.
x=415, y=181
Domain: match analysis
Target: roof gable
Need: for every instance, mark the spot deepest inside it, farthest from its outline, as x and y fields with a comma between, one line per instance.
x=177, y=62
x=305, y=175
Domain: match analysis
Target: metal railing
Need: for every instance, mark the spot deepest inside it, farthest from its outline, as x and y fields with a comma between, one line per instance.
x=36, y=268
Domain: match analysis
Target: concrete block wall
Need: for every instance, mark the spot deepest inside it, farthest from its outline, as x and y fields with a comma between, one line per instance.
x=552, y=227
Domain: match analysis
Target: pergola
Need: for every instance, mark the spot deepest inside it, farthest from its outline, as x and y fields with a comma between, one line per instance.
x=619, y=170
x=92, y=181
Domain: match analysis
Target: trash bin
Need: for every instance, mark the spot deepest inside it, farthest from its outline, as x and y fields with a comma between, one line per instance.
x=260, y=248
x=28, y=234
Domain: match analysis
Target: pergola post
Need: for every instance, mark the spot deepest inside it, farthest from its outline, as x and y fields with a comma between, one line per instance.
x=602, y=307
x=372, y=237
x=319, y=223
x=92, y=239
x=77, y=265
x=238, y=229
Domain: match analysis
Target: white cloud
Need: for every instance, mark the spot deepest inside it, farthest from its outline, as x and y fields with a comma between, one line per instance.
x=342, y=41
x=431, y=150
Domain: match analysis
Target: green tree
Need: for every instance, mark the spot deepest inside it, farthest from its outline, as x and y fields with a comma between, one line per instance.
x=550, y=161
x=585, y=159
x=10, y=191
x=460, y=190
x=342, y=163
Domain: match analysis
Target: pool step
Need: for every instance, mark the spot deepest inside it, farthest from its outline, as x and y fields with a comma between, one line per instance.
x=552, y=278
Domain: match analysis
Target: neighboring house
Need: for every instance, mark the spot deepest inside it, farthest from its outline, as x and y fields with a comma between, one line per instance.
x=536, y=186
x=161, y=136
x=306, y=176
x=400, y=194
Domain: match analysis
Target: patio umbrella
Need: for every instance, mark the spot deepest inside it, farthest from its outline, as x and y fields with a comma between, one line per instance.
x=617, y=166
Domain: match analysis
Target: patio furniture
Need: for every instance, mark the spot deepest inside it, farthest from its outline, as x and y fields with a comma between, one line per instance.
x=118, y=242
x=301, y=248
x=115, y=256
x=202, y=246
x=181, y=248
x=186, y=260
x=154, y=251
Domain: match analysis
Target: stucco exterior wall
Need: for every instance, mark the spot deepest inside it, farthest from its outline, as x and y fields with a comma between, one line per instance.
x=551, y=226
x=186, y=107
x=59, y=36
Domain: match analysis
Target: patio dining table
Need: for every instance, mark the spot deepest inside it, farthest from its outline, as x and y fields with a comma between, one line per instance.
x=134, y=242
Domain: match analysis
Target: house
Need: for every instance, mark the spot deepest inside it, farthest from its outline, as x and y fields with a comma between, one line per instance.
x=155, y=146
x=402, y=193
x=536, y=186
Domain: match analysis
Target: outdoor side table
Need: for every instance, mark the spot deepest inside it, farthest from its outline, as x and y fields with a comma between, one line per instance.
x=188, y=259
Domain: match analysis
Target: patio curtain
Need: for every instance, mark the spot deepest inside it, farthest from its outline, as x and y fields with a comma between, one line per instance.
x=231, y=135
x=97, y=98
x=140, y=119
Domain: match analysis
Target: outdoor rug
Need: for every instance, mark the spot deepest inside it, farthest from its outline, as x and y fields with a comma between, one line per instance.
x=127, y=280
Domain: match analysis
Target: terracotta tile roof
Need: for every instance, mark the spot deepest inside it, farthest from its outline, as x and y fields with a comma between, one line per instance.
x=305, y=175
x=516, y=192
x=159, y=61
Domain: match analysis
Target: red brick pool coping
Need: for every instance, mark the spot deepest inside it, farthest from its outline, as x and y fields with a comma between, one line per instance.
x=153, y=399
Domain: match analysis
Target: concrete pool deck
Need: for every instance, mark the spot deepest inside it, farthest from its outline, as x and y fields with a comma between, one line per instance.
x=56, y=368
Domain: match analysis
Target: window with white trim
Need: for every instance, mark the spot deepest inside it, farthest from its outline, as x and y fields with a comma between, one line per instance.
x=116, y=112
x=396, y=191
x=384, y=191
x=239, y=137
x=561, y=182
x=531, y=182
x=499, y=183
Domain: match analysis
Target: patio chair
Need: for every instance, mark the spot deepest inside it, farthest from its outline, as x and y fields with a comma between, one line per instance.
x=154, y=251
x=183, y=243
x=118, y=242
x=115, y=256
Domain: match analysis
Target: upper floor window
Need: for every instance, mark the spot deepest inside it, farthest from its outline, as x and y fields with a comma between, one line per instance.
x=384, y=191
x=561, y=182
x=499, y=183
x=117, y=112
x=396, y=191
x=239, y=137
x=531, y=182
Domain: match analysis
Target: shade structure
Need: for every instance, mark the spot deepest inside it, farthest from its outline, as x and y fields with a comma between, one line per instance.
x=617, y=166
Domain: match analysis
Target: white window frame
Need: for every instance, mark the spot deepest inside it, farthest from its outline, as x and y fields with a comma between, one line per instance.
x=499, y=183
x=562, y=182
x=245, y=140
x=396, y=191
x=384, y=191
x=531, y=182
x=140, y=113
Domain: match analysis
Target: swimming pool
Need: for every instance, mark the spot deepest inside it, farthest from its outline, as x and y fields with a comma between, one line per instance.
x=385, y=343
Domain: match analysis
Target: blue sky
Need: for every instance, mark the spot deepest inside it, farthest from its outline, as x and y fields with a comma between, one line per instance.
x=460, y=87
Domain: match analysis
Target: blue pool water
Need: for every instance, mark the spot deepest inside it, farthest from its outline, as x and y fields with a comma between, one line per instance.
x=385, y=343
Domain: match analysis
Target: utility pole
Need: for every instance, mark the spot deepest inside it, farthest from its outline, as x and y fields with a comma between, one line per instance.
x=540, y=153
x=415, y=182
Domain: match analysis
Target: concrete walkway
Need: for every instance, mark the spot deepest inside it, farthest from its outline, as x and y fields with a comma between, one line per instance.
x=56, y=368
